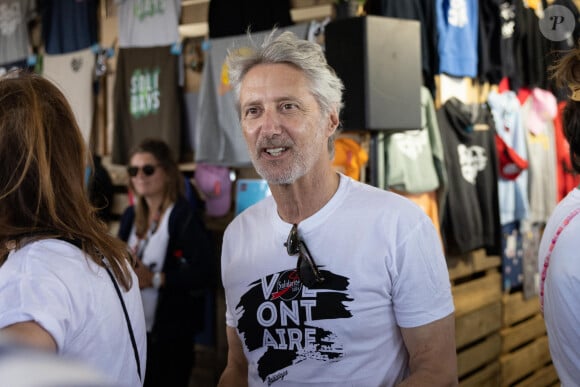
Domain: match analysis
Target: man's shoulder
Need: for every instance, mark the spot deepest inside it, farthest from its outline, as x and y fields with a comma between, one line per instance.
x=377, y=198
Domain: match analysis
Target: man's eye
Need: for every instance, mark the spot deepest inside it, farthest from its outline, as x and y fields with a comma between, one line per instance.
x=288, y=106
x=251, y=111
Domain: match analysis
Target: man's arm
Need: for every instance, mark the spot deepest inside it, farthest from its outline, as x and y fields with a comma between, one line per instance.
x=432, y=354
x=236, y=371
x=31, y=334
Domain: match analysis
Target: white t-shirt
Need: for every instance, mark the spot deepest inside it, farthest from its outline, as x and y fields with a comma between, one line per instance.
x=148, y=23
x=50, y=370
x=73, y=73
x=154, y=257
x=54, y=284
x=561, y=289
x=14, y=18
x=384, y=269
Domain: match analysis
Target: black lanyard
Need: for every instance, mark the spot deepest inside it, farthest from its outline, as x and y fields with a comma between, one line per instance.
x=78, y=244
x=129, y=326
x=139, y=248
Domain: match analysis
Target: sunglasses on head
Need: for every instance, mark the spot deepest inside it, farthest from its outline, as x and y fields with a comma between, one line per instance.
x=147, y=169
x=306, y=267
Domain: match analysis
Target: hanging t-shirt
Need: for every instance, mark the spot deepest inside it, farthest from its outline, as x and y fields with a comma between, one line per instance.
x=148, y=23
x=146, y=99
x=414, y=158
x=489, y=53
x=538, y=112
x=219, y=138
x=73, y=73
x=69, y=25
x=471, y=213
x=229, y=18
x=531, y=49
x=512, y=262
x=513, y=194
x=457, y=26
x=14, y=18
x=507, y=14
x=349, y=157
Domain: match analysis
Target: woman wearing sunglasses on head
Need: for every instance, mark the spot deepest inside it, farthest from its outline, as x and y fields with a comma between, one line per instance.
x=174, y=255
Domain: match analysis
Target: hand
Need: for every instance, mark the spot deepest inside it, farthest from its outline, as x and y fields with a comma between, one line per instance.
x=144, y=274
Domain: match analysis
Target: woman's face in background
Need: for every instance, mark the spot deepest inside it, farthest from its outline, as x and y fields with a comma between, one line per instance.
x=148, y=185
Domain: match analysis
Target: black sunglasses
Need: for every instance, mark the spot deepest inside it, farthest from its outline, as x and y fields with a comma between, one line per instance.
x=147, y=169
x=307, y=270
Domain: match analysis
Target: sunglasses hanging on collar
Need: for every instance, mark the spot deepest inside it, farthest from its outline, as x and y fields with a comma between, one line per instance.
x=306, y=268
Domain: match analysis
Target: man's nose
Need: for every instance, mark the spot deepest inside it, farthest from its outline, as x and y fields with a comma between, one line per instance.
x=271, y=122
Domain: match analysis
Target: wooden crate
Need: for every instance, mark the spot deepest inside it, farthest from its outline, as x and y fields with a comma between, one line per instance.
x=476, y=289
x=545, y=376
x=525, y=356
x=488, y=376
x=468, y=265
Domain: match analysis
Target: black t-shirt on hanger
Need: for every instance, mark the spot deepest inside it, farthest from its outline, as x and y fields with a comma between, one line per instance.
x=234, y=17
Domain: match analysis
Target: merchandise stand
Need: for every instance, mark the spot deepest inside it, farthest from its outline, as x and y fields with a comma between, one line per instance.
x=500, y=337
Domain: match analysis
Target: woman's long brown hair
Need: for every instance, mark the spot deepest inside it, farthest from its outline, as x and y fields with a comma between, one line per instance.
x=42, y=162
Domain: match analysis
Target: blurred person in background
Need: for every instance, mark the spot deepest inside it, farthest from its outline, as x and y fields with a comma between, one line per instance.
x=175, y=261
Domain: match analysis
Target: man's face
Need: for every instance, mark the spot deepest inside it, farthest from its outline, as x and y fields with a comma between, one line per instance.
x=282, y=123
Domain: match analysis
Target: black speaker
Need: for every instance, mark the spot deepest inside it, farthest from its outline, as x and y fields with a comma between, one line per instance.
x=379, y=60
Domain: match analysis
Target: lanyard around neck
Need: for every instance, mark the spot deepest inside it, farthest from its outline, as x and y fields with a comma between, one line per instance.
x=139, y=248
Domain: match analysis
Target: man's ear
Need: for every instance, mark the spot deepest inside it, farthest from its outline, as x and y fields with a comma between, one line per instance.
x=332, y=122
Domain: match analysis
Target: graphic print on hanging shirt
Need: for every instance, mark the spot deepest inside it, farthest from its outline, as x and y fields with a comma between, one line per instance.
x=286, y=313
x=472, y=160
x=14, y=38
x=412, y=143
x=145, y=92
x=10, y=16
x=457, y=15
x=146, y=99
x=147, y=8
x=148, y=23
x=508, y=20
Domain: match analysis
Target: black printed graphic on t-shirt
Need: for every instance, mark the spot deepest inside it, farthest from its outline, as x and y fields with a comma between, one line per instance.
x=279, y=314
